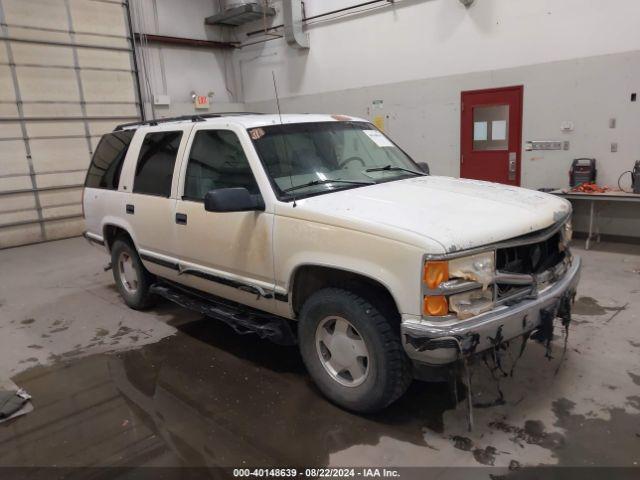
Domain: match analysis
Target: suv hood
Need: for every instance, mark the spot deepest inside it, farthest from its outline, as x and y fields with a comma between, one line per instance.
x=456, y=213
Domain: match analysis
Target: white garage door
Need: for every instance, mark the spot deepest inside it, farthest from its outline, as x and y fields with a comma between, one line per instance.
x=66, y=77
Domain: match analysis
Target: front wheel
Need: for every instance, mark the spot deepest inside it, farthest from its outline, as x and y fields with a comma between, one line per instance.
x=352, y=351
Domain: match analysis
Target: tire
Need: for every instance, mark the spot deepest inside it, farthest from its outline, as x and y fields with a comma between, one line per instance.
x=377, y=381
x=133, y=281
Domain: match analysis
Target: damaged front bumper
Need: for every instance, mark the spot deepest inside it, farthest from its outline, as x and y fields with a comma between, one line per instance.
x=439, y=343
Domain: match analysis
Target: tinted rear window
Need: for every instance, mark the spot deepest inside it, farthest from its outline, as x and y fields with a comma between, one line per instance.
x=106, y=164
x=157, y=158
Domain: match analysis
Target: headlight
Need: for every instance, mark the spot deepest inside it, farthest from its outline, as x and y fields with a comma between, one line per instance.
x=441, y=277
x=471, y=303
x=480, y=268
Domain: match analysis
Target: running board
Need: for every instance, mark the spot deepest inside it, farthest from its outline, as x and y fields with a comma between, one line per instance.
x=242, y=319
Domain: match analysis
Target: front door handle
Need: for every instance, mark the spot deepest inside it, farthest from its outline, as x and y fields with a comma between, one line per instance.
x=130, y=209
x=181, y=218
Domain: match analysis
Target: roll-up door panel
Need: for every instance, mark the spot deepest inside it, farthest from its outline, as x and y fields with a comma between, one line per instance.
x=6, y=84
x=116, y=86
x=36, y=13
x=66, y=78
x=47, y=84
x=42, y=55
x=92, y=58
x=13, y=158
x=100, y=18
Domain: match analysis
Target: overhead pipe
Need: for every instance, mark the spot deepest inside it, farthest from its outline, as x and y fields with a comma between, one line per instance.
x=184, y=42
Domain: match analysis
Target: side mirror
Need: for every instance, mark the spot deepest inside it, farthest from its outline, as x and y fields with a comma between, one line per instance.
x=236, y=199
x=424, y=166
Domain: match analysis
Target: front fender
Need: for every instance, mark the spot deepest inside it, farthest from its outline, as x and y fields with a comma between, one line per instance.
x=395, y=265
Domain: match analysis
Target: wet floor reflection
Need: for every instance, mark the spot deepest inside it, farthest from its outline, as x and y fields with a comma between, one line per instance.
x=209, y=397
x=248, y=399
x=204, y=397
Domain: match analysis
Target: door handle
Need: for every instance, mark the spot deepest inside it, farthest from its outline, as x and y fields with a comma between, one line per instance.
x=512, y=165
x=130, y=209
x=181, y=218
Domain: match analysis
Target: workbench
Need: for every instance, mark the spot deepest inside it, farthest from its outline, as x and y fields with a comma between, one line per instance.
x=592, y=198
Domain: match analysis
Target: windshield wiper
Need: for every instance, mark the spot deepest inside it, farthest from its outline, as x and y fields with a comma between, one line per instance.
x=321, y=182
x=391, y=168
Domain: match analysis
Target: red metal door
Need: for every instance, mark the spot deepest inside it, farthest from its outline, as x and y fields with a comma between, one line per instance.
x=491, y=135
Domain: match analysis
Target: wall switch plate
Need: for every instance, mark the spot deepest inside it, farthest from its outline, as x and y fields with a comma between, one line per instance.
x=614, y=147
x=612, y=123
x=565, y=145
x=161, y=100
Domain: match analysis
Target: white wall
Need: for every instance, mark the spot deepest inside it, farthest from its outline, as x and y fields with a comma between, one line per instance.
x=417, y=39
x=578, y=60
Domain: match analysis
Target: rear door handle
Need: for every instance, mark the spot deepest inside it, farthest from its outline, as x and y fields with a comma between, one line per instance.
x=181, y=218
x=130, y=209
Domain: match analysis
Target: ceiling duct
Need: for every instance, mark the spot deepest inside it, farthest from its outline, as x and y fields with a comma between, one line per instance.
x=292, y=10
x=239, y=12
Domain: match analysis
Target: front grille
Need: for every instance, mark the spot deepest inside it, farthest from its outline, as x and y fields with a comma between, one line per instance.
x=531, y=259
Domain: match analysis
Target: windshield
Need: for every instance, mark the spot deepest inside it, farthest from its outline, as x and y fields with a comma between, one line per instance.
x=302, y=159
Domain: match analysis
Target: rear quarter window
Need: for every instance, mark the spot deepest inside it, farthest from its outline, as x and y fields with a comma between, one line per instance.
x=106, y=164
x=154, y=171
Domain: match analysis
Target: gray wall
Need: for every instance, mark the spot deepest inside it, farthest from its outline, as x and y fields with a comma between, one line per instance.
x=424, y=118
x=178, y=70
x=417, y=56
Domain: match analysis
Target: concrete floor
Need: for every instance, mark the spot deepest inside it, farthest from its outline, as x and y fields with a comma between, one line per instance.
x=116, y=387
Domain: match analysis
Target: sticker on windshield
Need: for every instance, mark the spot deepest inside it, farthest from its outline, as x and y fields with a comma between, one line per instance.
x=378, y=138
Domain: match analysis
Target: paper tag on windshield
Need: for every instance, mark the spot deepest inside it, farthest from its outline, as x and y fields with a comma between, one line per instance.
x=378, y=138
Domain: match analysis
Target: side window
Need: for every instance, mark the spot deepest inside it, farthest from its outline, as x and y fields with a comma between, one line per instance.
x=217, y=160
x=106, y=164
x=156, y=161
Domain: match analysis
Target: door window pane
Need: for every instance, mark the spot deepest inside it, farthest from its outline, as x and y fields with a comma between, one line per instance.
x=156, y=161
x=217, y=160
x=106, y=164
x=499, y=130
x=479, y=131
x=491, y=128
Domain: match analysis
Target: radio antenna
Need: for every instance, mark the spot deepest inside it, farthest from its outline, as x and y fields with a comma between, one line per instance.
x=284, y=137
x=275, y=88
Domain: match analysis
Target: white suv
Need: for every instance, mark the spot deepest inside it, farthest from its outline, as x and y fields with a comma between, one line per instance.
x=319, y=230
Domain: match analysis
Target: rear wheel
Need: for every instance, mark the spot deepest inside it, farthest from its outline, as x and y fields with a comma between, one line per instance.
x=132, y=279
x=352, y=351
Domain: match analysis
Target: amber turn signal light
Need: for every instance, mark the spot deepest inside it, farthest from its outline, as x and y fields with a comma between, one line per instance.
x=435, y=306
x=435, y=273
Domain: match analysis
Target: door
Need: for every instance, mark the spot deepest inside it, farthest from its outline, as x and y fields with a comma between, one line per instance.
x=150, y=205
x=152, y=183
x=228, y=254
x=491, y=135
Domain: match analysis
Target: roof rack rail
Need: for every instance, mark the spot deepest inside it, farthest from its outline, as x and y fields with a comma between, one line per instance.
x=181, y=118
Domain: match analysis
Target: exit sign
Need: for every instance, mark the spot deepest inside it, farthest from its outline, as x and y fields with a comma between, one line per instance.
x=201, y=102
